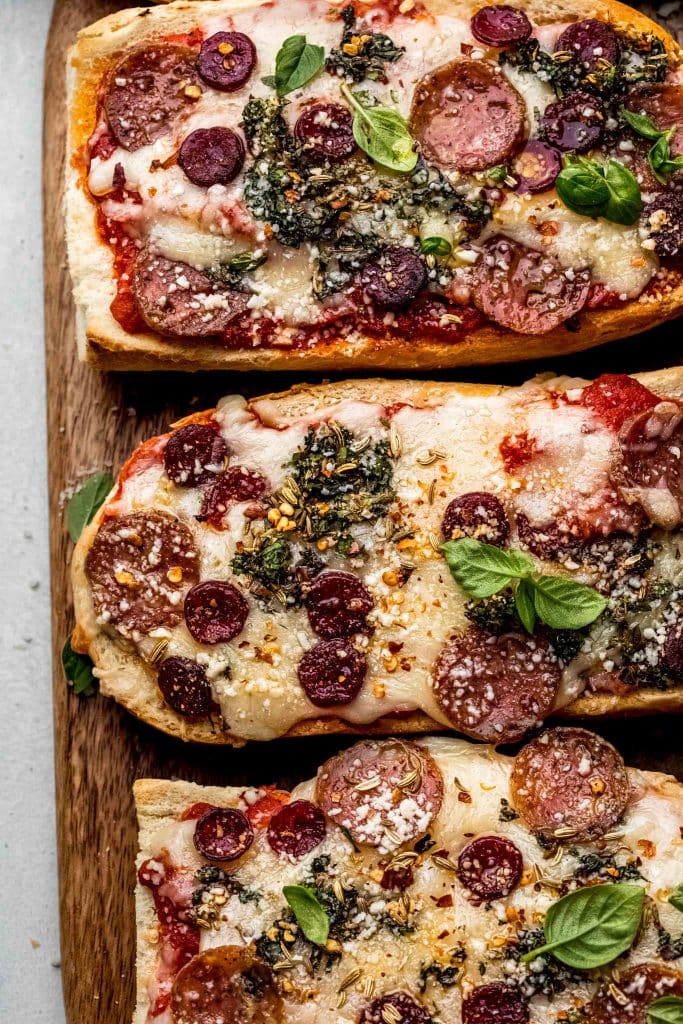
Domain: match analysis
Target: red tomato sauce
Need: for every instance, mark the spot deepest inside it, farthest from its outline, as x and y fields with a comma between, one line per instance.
x=616, y=397
x=179, y=937
x=123, y=307
x=517, y=450
x=260, y=813
x=196, y=811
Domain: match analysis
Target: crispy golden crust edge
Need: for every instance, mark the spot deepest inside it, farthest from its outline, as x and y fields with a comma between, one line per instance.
x=103, y=342
x=128, y=680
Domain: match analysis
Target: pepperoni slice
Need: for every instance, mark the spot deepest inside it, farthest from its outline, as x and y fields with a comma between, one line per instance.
x=664, y=104
x=235, y=485
x=673, y=650
x=576, y=122
x=148, y=91
x=651, y=466
x=137, y=565
x=185, y=687
x=663, y=221
x=569, y=781
x=616, y=398
x=479, y=515
x=338, y=604
x=500, y=25
x=227, y=60
x=194, y=455
x=222, y=984
x=525, y=290
x=547, y=541
x=467, y=116
x=397, y=1007
x=325, y=130
x=296, y=829
x=332, y=673
x=212, y=156
x=496, y=1003
x=395, y=277
x=536, y=167
x=215, y=611
x=223, y=834
x=384, y=792
x=625, y=999
x=490, y=867
x=496, y=688
x=181, y=302
x=593, y=42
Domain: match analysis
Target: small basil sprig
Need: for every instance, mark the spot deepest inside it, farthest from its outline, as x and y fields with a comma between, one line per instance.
x=78, y=669
x=233, y=270
x=297, y=62
x=382, y=133
x=607, y=190
x=592, y=926
x=659, y=156
x=309, y=913
x=676, y=897
x=667, y=1010
x=435, y=245
x=498, y=173
x=86, y=501
x=483, y=570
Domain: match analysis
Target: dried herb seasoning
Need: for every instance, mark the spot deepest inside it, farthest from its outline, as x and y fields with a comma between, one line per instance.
x=361, y=54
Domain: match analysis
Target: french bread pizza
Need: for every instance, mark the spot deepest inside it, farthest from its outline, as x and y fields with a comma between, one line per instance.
x=394, y=555
x=417, y=883
x=399, y=183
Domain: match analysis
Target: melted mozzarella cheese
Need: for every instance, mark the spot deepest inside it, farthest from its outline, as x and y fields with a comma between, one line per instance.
x=649, y=831
x=613, y=252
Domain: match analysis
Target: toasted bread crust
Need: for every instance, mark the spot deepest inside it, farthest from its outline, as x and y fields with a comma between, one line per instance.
x=104, y=343
x=128, y=680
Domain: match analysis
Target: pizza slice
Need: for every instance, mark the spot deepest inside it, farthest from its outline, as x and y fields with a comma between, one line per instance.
x=417, y=883
x=412, y=184
x=394, y=554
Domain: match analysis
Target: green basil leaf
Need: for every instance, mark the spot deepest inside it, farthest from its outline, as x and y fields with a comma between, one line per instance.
x=676, y=897
x=482, y=569
x=498, y=173
x=667, y=1010
x=309, y=913
x=524, y=603
x=435, y=245
x=641, y=124
x=383, y=134
x=625, y=202
x=245, y=262
x=565, y=604
x=582, y=188
x=296, y=63
x=592, y=926
x=78, y=670
x=600, y=190
x=86, y=501
x=659, y=158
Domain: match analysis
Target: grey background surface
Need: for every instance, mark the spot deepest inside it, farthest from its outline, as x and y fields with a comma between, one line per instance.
x=30, y=983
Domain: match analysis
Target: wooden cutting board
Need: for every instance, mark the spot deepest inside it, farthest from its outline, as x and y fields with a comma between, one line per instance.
x=94, y=421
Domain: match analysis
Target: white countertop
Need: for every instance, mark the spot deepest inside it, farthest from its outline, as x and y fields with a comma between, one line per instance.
x=30, y=982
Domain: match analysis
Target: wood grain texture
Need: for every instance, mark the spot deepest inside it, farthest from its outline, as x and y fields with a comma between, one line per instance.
x=94, y=421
